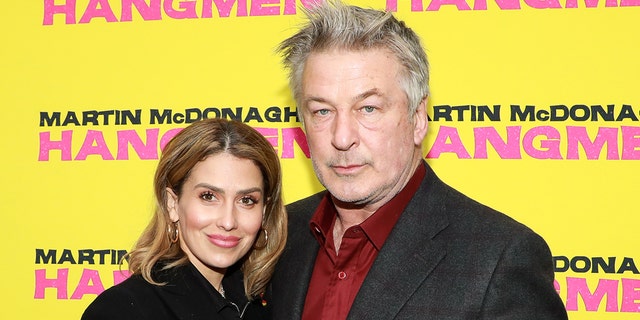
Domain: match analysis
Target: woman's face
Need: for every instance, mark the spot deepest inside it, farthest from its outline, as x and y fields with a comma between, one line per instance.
x=219, y=212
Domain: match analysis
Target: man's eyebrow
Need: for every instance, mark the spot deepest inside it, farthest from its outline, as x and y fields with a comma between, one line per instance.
x=366, y=94
x=361, y=96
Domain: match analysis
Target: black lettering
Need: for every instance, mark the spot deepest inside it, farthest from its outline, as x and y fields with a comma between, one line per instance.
x=158, y=118
x=564, y=261
x=517, y=114
x=228, y=113
x=585, y=261
x=628, y=265
x=53, y=120
x=253, y=114
x=129, y=117
x=85, y=255
x=66, y=257
x=273, y=114
x=70, y=118
x=599, y=112
x=559, y=113
x=207, y=111
x=442, y=112
x=48, y=258
x=193, y=115
x=626, y=113
x=598, y=262
x=492, y=115
x=288, y=114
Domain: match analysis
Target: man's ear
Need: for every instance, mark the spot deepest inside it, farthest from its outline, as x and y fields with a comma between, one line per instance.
x=172, y=204
x=420, y=122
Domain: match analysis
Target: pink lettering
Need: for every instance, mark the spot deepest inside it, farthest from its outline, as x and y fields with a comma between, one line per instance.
x=59, y=283
x=291, y=135
x=224, y=8
x=68, y=9
x=630, y=3
x=630, y=143
x=47, y=145
x=543, y=4
x=120, y=275
x=147, y=12
x=289, y=7
x=436, y=4
x=188, y=9
x=265, y=7
x=168, y=136
x=550, y=146
x=502, y=4
x=506, y=150
x=591, y=3
x=97, y=9
x=89, y=283
x=416, y=5
x=630, y=294
x=579, y=136
x=455, y=145
x=94, y=143
x=271, y=134
x=146, y=151
x=578, y=287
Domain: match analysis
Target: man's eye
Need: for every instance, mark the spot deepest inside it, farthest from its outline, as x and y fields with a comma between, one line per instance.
x=322, y=112
x=369, y=109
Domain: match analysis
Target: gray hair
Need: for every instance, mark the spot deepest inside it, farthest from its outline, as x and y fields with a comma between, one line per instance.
x=334, y=25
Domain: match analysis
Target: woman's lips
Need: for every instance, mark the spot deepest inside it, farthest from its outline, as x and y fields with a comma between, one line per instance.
x=224, y=241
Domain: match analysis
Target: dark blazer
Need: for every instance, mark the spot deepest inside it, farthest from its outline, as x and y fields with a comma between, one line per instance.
x=448, y=257
x=187, y=295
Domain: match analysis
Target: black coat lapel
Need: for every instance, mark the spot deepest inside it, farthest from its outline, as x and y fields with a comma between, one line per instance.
x=408, y=256
x=293, y=273
x=186, y=297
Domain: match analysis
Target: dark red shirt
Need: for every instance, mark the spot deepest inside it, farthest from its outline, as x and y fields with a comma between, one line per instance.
x=337, y=278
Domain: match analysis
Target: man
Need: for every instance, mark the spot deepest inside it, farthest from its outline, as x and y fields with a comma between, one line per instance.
x=388, y=239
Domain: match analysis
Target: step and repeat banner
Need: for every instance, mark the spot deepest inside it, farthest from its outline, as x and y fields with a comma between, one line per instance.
x=534, y=111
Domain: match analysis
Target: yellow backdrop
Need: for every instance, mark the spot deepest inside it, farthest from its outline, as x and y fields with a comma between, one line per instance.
x=534, y=108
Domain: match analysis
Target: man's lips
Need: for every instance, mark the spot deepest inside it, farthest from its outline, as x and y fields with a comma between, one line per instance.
x=346, y=169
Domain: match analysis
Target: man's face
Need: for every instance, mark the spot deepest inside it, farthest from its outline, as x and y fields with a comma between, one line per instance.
x=364, y=145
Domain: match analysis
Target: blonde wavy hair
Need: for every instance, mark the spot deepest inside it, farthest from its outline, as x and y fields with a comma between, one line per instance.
x=192, y=145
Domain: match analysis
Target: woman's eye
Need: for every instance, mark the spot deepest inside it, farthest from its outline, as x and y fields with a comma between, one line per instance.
x=207, y=196
x=248, y=201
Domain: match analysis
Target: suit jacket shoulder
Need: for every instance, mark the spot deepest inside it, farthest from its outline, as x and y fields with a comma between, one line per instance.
x=447, y=257
x=471, y=261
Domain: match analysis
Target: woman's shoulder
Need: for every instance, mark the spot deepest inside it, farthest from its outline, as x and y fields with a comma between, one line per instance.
x=122, y=301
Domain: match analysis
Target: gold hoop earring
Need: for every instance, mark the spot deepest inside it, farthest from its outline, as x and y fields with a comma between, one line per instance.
x=173, y=234
x=266, y=236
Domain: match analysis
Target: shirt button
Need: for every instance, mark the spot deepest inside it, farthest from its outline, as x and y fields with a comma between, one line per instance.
x=342, y=275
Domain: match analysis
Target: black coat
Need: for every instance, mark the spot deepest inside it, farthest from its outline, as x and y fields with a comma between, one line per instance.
x=187, y=295
x=447, y=257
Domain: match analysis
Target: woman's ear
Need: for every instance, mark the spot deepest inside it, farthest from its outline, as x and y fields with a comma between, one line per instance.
x=172, y=203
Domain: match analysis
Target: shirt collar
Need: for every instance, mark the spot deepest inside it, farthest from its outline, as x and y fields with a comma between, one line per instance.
x=379, y=225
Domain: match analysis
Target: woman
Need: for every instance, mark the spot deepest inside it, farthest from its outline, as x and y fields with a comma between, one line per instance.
x=218, y=229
